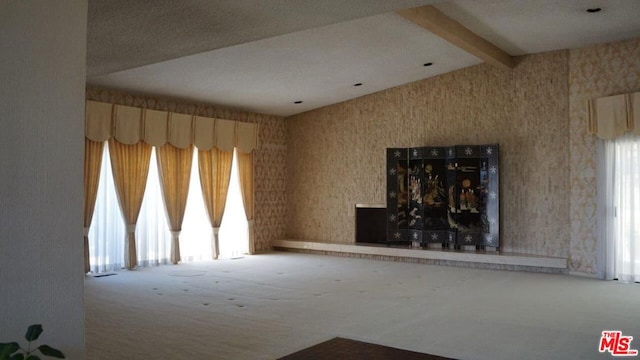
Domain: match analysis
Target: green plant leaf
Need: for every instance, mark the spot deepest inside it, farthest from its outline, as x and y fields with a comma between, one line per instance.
x=33, y=332
x=49, y=351
x=17, y=357
x=33, y=357
x=6, y=349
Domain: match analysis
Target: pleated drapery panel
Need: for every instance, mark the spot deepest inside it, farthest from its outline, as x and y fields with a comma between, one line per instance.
x=180, y=130
x=634, y=113
x=214, y=167
x=155, y=127
x=135, y=126
x=98, y=121
x=225, y=133
x=204, y=132
x=246, y=137
x=130, y=166
x=92, y=160
x=610, y=117
x=174, y=169
x=245, y=174
x=129, y=125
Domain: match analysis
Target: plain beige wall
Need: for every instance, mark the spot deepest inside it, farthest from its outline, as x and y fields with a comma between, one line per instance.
x=42, y=81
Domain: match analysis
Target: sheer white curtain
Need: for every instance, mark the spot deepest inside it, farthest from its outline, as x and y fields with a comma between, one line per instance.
x=106, y=244
x=195, y=239
x=107, y=231
x=619, y=208
x=234, y=232
x=152, y=230
x=107, y=223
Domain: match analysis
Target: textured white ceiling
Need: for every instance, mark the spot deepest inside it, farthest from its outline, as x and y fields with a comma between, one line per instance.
x=123, y=34
x=317, y=66
x=531, y=26
x=264, y=55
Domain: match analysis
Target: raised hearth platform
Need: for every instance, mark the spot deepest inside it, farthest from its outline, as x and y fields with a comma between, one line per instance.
x=474, y=259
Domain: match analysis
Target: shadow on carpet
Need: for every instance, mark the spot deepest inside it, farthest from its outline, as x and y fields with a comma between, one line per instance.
x=340, y=348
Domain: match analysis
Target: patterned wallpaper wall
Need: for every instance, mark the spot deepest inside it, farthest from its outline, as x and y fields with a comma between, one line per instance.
x=595, y=71
x=336, y=155
x=311, y=169
x=269, y=158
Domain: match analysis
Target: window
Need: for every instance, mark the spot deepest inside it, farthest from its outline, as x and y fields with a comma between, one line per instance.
x=153, y=238
x=619, y=208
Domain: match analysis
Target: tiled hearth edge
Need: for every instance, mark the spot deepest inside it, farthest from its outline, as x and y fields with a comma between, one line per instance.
x=470, y=259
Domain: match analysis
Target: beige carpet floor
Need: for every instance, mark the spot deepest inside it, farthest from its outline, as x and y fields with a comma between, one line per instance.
x=268, y=306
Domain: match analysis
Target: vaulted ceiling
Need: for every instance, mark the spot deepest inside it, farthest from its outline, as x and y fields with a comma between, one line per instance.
x=284, y=57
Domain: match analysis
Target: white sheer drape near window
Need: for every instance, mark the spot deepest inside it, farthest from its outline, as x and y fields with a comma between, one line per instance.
x=234, y=233
x=619, y=208
x=195, y=239
x=152, y=230
x=153, y=238
x=107, y=223
x=129, y=125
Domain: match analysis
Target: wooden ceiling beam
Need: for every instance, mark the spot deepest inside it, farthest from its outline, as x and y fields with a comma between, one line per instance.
x=440, y=24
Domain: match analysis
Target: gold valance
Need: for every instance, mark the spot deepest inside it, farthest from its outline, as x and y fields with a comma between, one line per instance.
x=129, y=125
x=612, y=116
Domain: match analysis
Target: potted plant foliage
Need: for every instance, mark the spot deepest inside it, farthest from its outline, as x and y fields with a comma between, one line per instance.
x=13, y=351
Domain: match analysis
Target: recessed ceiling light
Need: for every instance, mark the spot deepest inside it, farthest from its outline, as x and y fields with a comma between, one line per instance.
x=357, y=84
x=594, y=10
x=298, y=102
x=428, y=64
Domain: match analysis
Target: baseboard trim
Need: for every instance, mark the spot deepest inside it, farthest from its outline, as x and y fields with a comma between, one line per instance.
x=489, y=260
x=583, y=274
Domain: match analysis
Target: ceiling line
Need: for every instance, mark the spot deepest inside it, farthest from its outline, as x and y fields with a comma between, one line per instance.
x=441, y=25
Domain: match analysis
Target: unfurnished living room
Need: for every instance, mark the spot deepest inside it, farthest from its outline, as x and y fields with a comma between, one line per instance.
x=270, y=179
